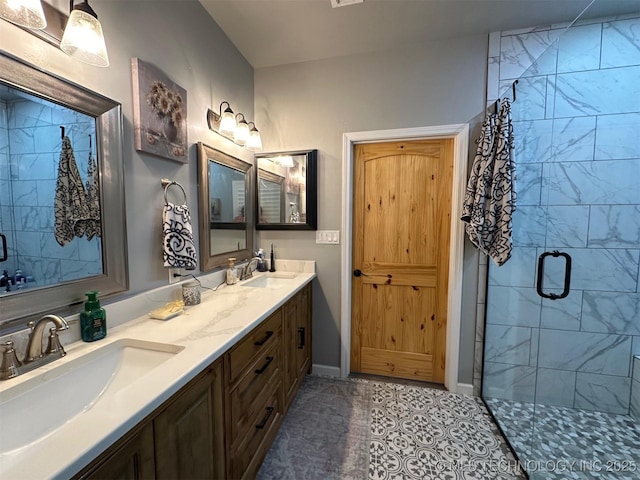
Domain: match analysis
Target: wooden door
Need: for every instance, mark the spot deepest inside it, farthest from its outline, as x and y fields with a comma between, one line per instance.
x=402, y=215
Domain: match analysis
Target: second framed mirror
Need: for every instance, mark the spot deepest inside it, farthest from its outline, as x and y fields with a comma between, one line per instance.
x=286, y=190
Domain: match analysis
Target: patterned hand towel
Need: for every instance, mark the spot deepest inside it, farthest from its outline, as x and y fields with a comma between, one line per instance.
x=93, y=225
x=70, y=207
x=490, y=197
x=179, y=250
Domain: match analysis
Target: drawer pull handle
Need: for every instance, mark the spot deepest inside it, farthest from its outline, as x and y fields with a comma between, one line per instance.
x=300, y=338
x=264, y=421
x=267, y=336
x=265, y=366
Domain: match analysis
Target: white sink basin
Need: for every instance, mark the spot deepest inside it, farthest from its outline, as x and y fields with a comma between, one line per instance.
x=36, y=407
x=270, y=281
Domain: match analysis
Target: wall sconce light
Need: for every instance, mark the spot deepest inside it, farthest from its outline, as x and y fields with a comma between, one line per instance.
x=255, y=142
x=82, y=38
x=234, y=127
x=26, y=13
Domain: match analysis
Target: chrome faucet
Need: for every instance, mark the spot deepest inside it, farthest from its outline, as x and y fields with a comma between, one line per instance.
x=34, y=345
x=246, y=271
x=34, y=357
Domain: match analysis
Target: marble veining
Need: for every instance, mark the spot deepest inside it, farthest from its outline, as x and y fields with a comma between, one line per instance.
x=563, y=314
x=528, y=184
x=519, y=271
x=507, y=344
x=581, y=183
x=531, y=95
x=603, y=393
x=529, y=226
x=555, y=387
x=615, y=226
x=611, y=312
x=617, y=137
x=598, y=92
x=573, y=139
x=527, y=54
x=567, y=226
x=585, y=352
x=579, y=49
x=532, y=141
x=512, y=382
x=621, y=43
x=514, y=306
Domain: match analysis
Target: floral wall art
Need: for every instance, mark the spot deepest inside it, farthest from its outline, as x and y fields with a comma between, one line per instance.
x=159, y=113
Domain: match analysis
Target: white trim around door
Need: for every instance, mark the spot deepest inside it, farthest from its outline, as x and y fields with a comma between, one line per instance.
x=460, y=135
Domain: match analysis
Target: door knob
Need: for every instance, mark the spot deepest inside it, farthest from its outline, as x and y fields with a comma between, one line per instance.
x=357, y=273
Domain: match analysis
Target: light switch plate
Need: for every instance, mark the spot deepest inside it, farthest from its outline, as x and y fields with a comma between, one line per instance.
x=331, y=237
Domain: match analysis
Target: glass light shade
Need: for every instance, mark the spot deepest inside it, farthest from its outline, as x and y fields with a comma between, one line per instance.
x=255, y=141
x=227, y=122
x=83, y=39
x=241, y=135
x=27, y=13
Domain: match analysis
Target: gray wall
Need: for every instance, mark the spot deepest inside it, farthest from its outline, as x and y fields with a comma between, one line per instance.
x=181, y=39
x=311, y=104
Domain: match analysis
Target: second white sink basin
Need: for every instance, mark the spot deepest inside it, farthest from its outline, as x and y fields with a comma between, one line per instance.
x=34, y=408
x=270, y=281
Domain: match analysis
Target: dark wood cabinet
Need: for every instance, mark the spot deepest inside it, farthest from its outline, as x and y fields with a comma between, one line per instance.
x=297, y=342
x=132, y=458
x=188, y=433
x=223, y=422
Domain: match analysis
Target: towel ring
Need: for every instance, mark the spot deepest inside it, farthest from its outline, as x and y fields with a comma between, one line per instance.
x=166, y=184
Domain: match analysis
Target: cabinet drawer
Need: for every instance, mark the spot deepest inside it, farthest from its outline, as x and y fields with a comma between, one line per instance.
x=259, y=340
x=248, y=398
x=255, y=443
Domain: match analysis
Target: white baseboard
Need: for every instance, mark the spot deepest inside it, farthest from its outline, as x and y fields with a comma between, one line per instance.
x=465, y=389
x=325, y=370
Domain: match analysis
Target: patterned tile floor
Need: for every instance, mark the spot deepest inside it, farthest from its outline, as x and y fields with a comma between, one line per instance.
x=565, y=443
x=376, y=430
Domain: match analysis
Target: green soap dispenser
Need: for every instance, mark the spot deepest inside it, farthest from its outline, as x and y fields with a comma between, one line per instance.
x=93, y=321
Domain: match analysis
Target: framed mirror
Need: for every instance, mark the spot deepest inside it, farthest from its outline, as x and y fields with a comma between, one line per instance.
x=55, y=252
x=225, y=204
x=287, y=190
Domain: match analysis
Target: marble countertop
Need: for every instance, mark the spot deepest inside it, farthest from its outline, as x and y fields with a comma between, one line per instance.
x=205, y=331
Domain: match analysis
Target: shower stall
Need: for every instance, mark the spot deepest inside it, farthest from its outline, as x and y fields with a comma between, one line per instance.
x=562, y=321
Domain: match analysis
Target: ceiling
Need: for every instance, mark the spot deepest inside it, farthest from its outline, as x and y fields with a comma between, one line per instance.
x=276, y=32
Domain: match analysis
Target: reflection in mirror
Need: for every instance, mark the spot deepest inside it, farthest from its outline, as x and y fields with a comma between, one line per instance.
x=53, y=194
x=225, y=207
x=35, y=186
x=287, y=190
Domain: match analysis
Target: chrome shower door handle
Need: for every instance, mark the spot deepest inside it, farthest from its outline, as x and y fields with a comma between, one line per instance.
x=567, y=275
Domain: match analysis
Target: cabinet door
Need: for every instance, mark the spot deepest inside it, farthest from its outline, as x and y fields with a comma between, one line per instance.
x=303, y=332
x=133, y=461
x=189, y=432
x=290, y=377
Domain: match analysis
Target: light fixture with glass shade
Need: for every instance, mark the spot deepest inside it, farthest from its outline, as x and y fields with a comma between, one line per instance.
x=26, y=13
x=234, y=127
x=241, y=135
x=83, y=38
x=227, y=120
x=254, y=143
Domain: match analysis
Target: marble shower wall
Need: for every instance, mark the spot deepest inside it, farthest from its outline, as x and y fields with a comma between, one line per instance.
x=30, y=145
x=577, y=129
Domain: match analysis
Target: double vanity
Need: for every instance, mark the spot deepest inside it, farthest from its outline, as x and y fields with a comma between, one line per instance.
x=201, y=395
